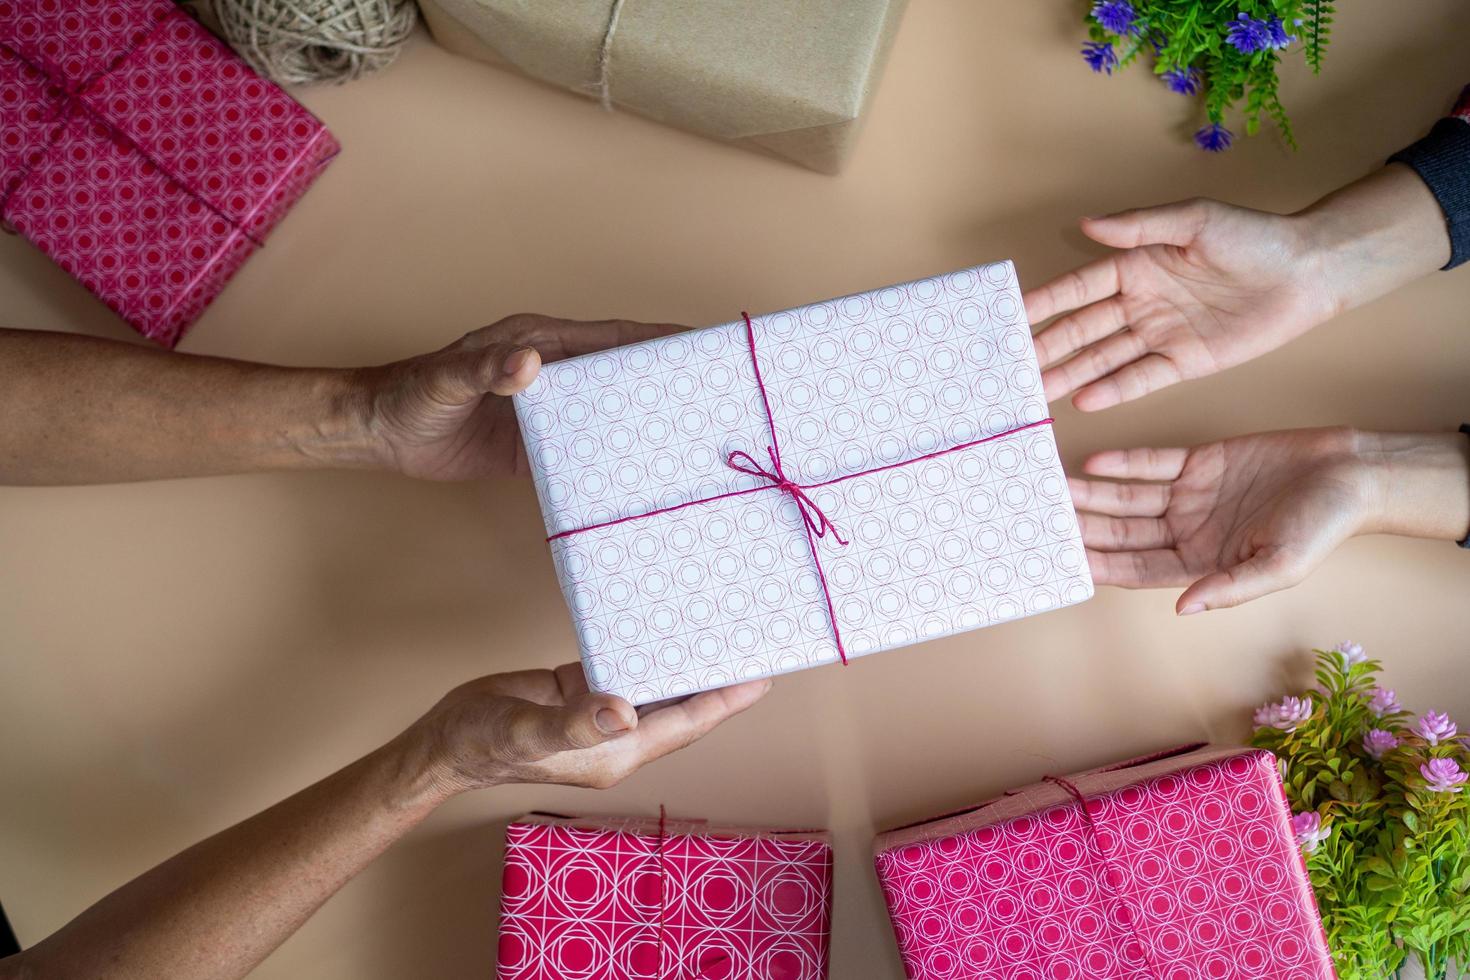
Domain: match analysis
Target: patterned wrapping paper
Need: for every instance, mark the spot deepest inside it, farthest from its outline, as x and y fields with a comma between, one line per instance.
x=701, y=596
x=629, y=899
x=143, y=156
x=1185, y=868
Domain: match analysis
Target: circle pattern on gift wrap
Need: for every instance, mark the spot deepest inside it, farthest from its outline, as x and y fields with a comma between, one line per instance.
x=586, y=902
x=963, y=903
x=962, y=540
x=101, y=198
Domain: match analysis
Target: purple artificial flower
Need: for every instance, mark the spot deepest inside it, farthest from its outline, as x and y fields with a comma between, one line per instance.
x=1185, y=81
x=1384, y=702
x=1435, y=727
x=1444, y=775
x=1248, y=35
x=1100, y=56
x=1214, y=138
x=1351, y=653
x=1285, y=714
x=1117, y=16
x=1277, y=32
x=1309, y=830
x=1378, y=742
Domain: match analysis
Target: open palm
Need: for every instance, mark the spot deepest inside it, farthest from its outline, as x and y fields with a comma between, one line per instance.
x=1198, y=287
x=1238, y=519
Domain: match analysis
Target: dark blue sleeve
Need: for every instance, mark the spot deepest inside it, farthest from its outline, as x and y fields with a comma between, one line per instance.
x=1442, y=159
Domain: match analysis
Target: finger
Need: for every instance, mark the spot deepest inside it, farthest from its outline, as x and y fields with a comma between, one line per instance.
x=1076, y=330
x=670, y=728
x=1268, y=570
x=539, y=686
x=1093, y=362
x=1168, y=224
x=535, y=731
x=571, y=680
x=1104, y=533
x=1120, y=499
x=1137, y=569
x=460, y=376
x=1137, y=464
x=1094, y=281
x=586, y=337
x=1149, y=373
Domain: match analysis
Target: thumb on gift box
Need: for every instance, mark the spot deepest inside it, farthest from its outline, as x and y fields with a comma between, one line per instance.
x=1168, y=224
x=463, y=374
x=585, y=721
x=1268, y=570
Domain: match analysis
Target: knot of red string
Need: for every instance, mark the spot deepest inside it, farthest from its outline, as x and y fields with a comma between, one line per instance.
x=816, y=522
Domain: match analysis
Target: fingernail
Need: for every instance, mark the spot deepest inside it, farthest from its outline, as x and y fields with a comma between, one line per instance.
x=1192, y=608
x=517, y=359
x=609, y=722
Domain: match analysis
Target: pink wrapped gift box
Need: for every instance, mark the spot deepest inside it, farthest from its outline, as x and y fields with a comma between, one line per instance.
x=648, y=899
x=143, y=156
x=803, y=487
x=1183, y=866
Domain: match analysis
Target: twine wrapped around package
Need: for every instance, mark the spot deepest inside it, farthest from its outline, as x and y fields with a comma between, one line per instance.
x=296, y=41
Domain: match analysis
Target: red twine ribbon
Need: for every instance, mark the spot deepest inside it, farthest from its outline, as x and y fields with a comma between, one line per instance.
x=71, y=100
x=663, y=904
x=1107, y=866
x=816, y=523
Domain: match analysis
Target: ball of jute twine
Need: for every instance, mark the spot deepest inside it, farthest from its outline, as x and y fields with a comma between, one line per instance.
x=295, y=41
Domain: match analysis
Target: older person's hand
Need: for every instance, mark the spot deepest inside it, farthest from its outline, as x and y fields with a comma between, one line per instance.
x=545, y=726
x=446, y=415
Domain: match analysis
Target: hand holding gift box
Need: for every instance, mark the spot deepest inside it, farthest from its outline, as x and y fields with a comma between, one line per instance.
x=802, y=487
x=143, y=156
x=1178, y=866
x=621, y=899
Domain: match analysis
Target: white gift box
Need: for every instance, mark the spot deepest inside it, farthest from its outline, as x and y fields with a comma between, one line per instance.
x=698, y=489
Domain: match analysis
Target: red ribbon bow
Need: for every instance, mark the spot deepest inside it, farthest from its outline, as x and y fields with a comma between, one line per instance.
x=817, y=522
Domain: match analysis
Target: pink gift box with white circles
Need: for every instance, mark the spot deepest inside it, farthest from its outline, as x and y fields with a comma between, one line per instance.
x=1178, y=866
x=803, y=487
x=648, y=899
x=142, y=155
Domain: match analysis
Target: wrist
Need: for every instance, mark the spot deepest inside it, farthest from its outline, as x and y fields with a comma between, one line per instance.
x=1421, y=483
x=337, y=432
x=420, y=762
x=1371, y=237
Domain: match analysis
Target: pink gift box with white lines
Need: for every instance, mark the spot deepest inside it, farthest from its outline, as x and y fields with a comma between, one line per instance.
x=803, y=487
x=142, y=155
x=647, y=899
x=1178, y=866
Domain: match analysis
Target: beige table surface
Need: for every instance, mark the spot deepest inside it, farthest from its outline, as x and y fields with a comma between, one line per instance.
x=176, y=656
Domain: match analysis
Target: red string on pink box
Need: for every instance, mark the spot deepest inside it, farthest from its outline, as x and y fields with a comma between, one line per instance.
x=815, y=522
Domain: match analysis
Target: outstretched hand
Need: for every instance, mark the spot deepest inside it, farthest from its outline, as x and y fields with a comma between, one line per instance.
x=545, y=726
x=446, y=415
x=1197, y=287
x=1232, y=520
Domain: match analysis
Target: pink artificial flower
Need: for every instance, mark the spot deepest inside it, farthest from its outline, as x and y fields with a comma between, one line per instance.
x=1384, y=702
x=1285, y=714
x=1378, y=742
x=1310, y=833
x=1351, y=653
x=1435, y=727
x=1444, y=775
